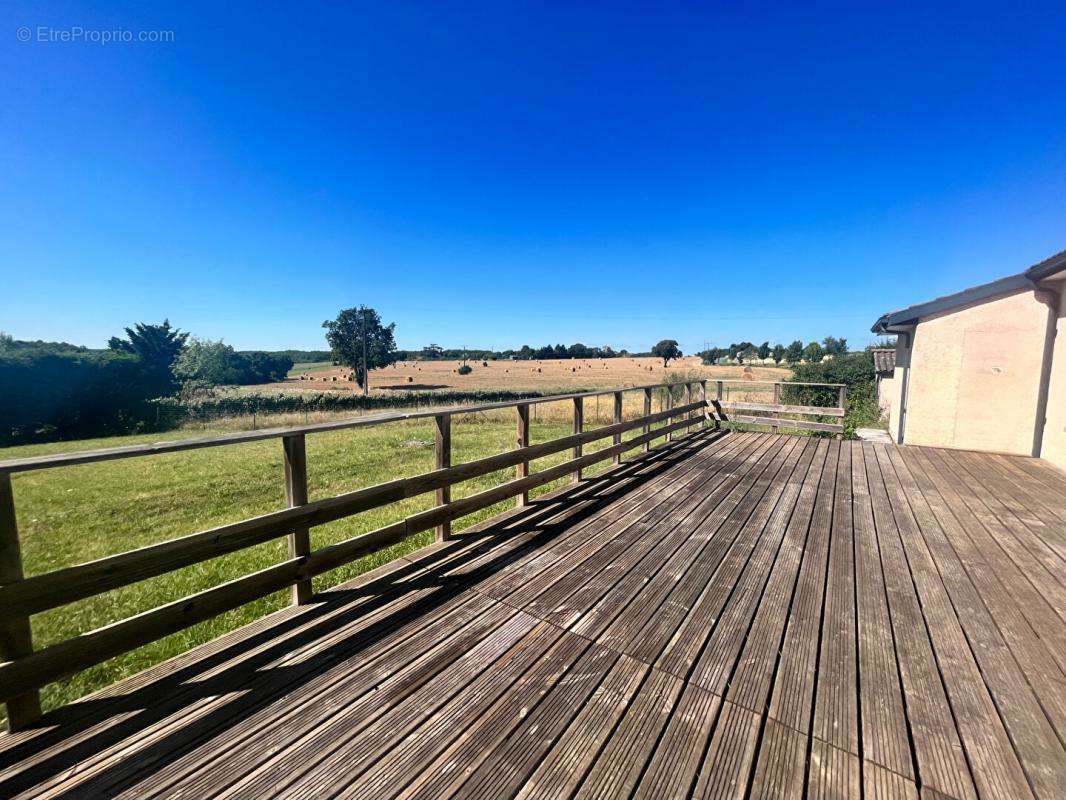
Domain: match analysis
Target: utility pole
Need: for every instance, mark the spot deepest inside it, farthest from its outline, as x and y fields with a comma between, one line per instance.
x=366, y=367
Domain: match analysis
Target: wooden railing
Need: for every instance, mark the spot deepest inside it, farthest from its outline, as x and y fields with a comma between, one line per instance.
x=774, y=413
x=24, y=670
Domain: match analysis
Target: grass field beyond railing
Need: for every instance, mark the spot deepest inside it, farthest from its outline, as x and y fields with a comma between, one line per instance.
x=115, y=558
x=76, y=514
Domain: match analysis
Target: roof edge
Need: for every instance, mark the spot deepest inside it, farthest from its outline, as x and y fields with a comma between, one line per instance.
x=1047, y=267
x=1024, y=280
x=911, y=314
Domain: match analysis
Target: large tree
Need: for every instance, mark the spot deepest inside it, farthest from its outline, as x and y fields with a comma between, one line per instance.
x=204, y=364
x=738, y=350
x=794, y=352
x=667, y=350
x=345, y=337
x=778, y=353
x=813, y=352
x=834, y=346
x=157, y=347
x=712, y=354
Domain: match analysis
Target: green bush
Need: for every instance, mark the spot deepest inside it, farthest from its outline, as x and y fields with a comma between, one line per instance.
x=854, y=370
x=465, y=369
x=52, y=393
x=210, y=408
x=203, y=363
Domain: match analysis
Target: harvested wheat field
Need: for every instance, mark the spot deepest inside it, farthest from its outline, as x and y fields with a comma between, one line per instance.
x=525, y=375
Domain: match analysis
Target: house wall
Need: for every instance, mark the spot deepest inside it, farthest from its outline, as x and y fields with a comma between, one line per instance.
x=975, y=376
x=887, y=392
x=893, y=393
x=1053, y=447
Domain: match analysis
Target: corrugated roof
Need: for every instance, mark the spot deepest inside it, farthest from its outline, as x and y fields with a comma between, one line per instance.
x=884, y=360
x=1023, y=280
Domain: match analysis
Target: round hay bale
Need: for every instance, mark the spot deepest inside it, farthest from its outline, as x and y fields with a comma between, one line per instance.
x=410, y=379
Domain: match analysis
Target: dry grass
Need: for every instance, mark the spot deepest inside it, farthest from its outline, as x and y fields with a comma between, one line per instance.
x=548, y=375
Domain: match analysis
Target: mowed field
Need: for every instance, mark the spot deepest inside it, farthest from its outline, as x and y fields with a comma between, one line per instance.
x=72, y=515
x=547, y=375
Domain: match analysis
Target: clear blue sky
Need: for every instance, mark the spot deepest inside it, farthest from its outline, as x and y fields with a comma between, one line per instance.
x=521, y=172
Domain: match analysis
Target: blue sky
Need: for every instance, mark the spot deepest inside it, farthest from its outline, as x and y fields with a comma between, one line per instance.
x=509, y=173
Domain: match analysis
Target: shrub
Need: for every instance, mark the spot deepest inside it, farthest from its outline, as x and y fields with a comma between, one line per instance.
x=48, y=393
x=856, y=371
x=207, y=408
x=203, y=364
x=465, y=369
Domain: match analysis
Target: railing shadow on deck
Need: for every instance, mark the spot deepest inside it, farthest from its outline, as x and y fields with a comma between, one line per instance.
x=256, y=685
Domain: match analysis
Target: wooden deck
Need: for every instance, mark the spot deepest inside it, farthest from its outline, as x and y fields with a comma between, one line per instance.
x=734, y=615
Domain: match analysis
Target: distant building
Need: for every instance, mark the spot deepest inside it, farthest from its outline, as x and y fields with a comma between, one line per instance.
x=985, y=368
x=885, y=374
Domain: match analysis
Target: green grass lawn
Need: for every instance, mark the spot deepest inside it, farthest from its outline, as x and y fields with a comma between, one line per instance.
x=309, y=366
x=75, y=514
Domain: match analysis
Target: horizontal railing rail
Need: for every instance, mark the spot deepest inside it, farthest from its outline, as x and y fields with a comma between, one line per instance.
x=776, y=414
x=52, y=589
x=222, y=440
x=24, y=670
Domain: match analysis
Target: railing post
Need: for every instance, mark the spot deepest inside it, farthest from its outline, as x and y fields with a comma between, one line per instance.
x=703, y=399
x=647, y=413
x=296, y=495
x=688, y=399
x=444, y=460
x=842, y=397
x=617, y=420
x=777, y=402
x=16, y=640
x=718, y=392
x=523, y=441
x=669, y=405
x=579, y=425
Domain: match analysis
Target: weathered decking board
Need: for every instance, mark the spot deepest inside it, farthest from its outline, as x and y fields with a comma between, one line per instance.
x=732, y=615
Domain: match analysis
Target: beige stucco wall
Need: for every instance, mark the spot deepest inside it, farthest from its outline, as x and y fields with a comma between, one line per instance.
x=886, y=391
x=975, y=376
x=892, y=394
x=1053, y=447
